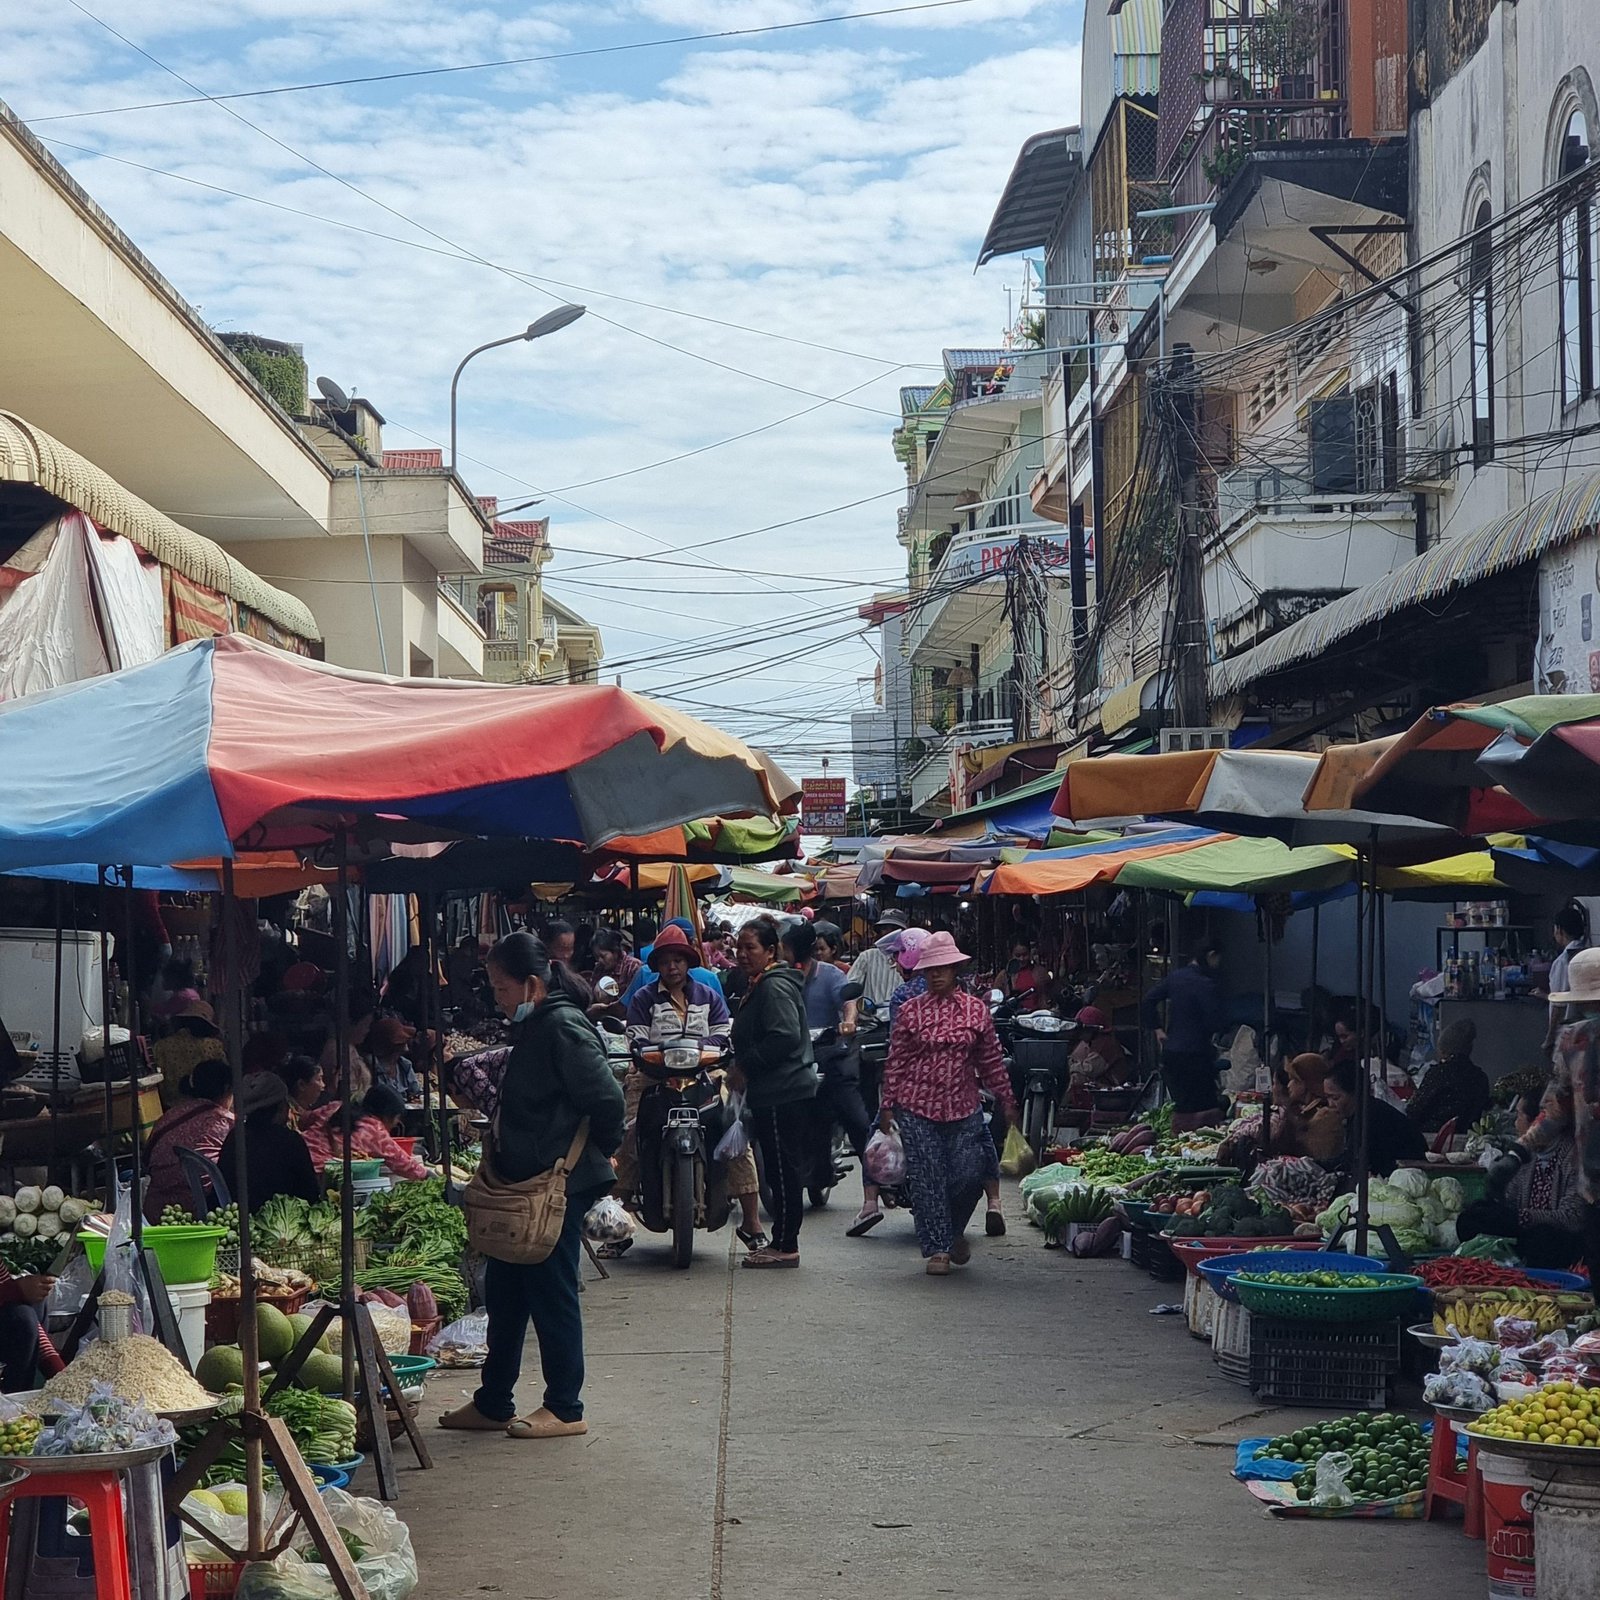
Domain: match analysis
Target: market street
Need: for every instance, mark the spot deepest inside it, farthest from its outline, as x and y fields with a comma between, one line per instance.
x=1022, y=1427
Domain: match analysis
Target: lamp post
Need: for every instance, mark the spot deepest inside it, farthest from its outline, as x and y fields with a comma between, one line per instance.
x=550, y=322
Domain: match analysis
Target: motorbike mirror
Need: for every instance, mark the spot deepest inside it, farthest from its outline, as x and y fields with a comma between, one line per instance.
x=852, y=991
x=996, y=997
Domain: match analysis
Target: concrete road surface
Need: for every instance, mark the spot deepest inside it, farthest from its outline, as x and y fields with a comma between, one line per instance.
x=857, y=1429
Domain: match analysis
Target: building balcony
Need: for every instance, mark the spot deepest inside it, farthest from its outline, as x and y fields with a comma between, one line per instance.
x=1285, y=547
x=960, y=606
x=933, y=780
x=461, y=644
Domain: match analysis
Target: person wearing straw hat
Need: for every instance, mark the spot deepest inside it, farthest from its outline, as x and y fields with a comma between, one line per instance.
x=1571, y=1104
x=943, y=1048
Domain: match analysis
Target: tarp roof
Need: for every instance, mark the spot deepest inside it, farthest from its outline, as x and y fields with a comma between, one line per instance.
x=225, y=744
x=30, y=455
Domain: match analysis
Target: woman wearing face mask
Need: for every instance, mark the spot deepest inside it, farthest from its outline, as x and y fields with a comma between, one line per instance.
x=556, y=1076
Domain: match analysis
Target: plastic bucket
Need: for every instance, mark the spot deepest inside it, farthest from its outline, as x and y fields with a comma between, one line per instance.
x=187, y=1252
x=189, y=1302
x=1567, y=1524
x=1508, y=1499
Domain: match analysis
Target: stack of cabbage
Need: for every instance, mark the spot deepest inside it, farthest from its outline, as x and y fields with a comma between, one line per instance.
x=1421, y=1210
x=32, y=1224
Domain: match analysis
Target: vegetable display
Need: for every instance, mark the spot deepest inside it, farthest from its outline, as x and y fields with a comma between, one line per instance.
x=1473, y=1272
x=1083, y=1205
x=32, y=1223
x=1316, y=1280
x=137, y=1368
x=1560, y=1413
x=1421, y=1210
x=1100, y=1164
x=1231, y=1214
x=1475, y=1319
x=1388, y=1455
x=415, y=1214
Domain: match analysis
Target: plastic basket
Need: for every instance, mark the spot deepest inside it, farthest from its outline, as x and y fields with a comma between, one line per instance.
x=1218, y=1271
x=187, y=1252
x=214, y=1580
x=1295, y=1363
x=1391, y=1299
x=1162, y=1265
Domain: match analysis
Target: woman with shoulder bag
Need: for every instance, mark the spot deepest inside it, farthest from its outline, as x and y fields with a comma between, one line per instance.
x=559, y=1103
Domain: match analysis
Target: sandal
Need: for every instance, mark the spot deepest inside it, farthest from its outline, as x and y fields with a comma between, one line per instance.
x=756, y=1241
x=865, y=1222
x=543, y=1424
x=469, y=1419
x=768, y=1257
x=938, y=1267
x=994, y=1223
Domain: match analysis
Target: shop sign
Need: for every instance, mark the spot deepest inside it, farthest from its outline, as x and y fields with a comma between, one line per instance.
x=822, y=805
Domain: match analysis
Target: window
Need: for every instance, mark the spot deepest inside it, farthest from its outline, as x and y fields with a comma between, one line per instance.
x=1480, y=334
x=1577, y=267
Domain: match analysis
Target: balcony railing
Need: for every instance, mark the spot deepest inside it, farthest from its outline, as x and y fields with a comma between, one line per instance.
x=1243, y=75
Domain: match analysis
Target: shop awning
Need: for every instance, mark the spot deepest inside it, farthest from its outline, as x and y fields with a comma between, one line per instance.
x=1047, y=171
x=1024, y=811
x=30, y=455
x=1546, y=523
x=753, y=884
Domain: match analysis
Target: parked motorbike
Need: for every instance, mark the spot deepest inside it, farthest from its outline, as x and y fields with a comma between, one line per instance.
x=1038, y=1048
x=682, y=1118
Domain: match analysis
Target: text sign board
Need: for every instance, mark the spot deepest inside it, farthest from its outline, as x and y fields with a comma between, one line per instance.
x=822, y=805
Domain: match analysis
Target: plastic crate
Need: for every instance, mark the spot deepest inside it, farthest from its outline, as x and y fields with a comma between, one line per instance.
x=1139, y=1247
x=1230, y=1333
x=1352, y=1364
x=214, y=1580
x=1162, y=1265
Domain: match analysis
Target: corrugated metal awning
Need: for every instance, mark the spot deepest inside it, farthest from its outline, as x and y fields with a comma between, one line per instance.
x=30, y=455
x=1136, y=47
x=1552, y=520
x=1047, y=170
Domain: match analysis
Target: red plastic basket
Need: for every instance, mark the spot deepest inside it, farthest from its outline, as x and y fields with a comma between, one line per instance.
x=214, y=1580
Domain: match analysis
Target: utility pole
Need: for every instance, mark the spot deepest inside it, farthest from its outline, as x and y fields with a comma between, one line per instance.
x=1179, y=418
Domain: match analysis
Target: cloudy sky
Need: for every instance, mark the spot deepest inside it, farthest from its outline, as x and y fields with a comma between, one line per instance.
x=773, y=233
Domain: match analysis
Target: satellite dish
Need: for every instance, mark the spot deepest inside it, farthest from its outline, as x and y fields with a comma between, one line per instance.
x=336, y=398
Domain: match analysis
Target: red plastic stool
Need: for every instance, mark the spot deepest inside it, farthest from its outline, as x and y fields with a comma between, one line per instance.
x=1451, y=1482
x=101, y=1492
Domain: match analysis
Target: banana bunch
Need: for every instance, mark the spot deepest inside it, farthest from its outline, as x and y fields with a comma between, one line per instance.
x=1475, y=1319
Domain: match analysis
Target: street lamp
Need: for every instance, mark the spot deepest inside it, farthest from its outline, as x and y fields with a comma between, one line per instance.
x=550, y=322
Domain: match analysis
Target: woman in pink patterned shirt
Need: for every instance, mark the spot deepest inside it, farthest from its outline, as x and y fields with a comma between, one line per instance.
x=942, y=1049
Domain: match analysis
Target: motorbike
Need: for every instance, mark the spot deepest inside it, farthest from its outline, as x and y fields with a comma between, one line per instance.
x=1038, y=1056
x=682, y=1119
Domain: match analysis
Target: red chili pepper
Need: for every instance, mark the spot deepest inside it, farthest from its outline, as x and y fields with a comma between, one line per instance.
x=1472, y=1272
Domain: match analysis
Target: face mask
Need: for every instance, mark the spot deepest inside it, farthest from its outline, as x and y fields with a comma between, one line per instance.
x=524, y=1011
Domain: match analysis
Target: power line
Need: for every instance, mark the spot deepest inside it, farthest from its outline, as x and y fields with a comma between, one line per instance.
x=719, y=35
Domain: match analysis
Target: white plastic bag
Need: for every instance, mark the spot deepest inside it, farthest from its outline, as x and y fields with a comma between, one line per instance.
x=606, y=1222
x=1332, y=1489
x=464, y=1343
x=884, y=1159
x=736, y=1141
x=388, y=1568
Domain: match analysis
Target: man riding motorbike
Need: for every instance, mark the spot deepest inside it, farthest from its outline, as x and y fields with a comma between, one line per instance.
x=677, y=1006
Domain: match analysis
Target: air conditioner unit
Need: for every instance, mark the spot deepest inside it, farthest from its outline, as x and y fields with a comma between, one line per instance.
x=1174, y=739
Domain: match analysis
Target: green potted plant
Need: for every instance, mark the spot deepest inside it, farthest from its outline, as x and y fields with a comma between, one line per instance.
x=1285, y=45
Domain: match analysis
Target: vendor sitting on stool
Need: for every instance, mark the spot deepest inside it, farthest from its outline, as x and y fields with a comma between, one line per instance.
x=25, y=1347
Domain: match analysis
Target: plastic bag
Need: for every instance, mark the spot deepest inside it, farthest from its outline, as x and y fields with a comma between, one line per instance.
x=606, y=1222
x=884, y=1159
x=736, y=1141
x=1470, y=1355
x=388, y=1568
x=1332, y=1489
x=1017, y=1159
x=1467, y=1391
x=392, y=1324
x=1511, y=1333
x=464, y=1343
x=122, y=1274
x=1055, y=1176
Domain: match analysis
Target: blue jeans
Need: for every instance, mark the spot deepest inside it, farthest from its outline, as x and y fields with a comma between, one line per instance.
x=545, y=1292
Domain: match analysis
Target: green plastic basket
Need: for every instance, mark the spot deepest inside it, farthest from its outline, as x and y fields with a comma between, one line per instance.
x=1396, y=1295
x=187, y=1252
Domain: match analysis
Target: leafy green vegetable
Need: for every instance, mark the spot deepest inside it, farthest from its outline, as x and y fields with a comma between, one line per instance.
x=415, y=1216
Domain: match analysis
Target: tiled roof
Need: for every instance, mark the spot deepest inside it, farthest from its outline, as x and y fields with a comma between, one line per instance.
x=413, y=460
x=914, y=397
x=488, y=503
x=957, y=360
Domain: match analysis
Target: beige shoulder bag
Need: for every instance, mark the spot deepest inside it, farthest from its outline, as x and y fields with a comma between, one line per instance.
x=519, y=1222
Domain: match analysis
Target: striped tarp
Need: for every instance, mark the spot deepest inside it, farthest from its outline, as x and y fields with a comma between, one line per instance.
x=1554, y=519
x=1136, y=47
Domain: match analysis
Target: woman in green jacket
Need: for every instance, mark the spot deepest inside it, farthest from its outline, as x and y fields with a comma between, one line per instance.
x=772, y=1063
x=557, y=1076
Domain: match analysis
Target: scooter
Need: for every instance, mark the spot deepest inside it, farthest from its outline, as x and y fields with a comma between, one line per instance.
x=682, y=1118
x=1039, y=1067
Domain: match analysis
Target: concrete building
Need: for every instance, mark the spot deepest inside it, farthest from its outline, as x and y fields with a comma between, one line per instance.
x=102, y=354
x=879, y=738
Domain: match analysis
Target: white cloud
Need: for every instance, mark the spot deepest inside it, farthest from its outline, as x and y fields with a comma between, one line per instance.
x=830, y=185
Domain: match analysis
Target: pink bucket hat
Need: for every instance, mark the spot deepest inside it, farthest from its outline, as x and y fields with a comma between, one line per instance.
x=911, y=944
x=940, y=951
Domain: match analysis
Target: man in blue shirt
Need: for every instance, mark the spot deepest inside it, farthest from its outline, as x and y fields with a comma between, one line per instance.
x=1188, y=1055
x=696, y=974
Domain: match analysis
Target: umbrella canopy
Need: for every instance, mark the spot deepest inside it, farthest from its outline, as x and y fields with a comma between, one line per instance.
x=1438, y=768
x=225, y=744
x=1243, y=866
x=1076, y=867
x=1258, y=792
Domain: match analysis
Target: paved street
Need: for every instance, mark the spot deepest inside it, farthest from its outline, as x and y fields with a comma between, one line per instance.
x=858, y=1429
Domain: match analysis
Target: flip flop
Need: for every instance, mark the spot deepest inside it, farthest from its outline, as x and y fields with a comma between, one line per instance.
x=756, y=1241
x=864, y=1224
x=994, y=1224
x=769, y=1257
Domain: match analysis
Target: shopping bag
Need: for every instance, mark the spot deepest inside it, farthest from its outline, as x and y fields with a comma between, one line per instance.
x=884, y=1159
x=1017, y=1159
x=736, y=1141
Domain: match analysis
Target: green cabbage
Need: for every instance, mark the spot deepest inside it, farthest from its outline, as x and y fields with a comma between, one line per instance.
x=1396, y=1214
x=1450, y=1195
x=1409, y=1181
